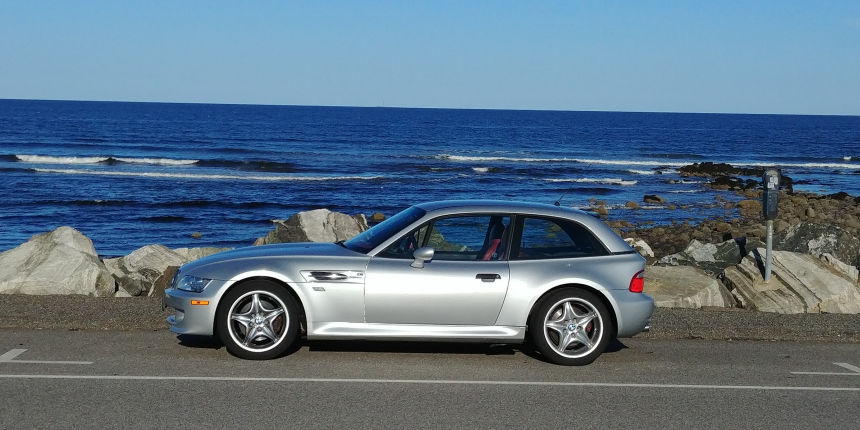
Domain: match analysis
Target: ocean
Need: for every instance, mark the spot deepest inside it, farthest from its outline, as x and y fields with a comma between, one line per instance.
x=133, y=174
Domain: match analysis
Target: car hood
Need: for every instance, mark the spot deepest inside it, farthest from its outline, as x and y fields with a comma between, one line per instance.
x=272, y=251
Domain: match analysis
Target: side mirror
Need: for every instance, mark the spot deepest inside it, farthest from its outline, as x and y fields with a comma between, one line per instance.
x=422, y=255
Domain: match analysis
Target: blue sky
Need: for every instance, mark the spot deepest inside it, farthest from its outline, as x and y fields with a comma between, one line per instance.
x=715, y=56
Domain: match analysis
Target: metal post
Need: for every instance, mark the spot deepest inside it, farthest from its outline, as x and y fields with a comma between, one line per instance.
x=768, y=256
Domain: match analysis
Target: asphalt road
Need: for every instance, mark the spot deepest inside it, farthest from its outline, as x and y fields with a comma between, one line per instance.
x=148, y=379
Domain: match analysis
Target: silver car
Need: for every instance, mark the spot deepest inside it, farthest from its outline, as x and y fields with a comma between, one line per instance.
x=482, y=271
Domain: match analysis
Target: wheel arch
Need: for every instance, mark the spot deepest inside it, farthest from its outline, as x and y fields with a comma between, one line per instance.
x=597, y=293
x=261, y=277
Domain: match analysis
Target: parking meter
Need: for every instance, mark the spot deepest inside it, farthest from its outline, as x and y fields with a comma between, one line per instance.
x=770, y=197
x=769, y=200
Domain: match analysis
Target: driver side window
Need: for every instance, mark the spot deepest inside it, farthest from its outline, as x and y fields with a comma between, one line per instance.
x=457, y=238
x=406, y=245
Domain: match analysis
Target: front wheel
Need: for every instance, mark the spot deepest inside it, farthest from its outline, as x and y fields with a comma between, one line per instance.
x=257, y=320
x=570, y=327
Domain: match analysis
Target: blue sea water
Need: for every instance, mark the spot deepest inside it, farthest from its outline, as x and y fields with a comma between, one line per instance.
x=132, y=174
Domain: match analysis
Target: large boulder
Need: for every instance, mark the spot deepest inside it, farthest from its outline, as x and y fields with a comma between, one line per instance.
x=819, y=239
x=708, y=168
x=712, y=258
x=62, y=261
x=685, y=287
x=319, y=225
x=148, y=270
x=800, y=283
x=640, y=246
x=192, y=254
x=848, y=270
x=137, y=272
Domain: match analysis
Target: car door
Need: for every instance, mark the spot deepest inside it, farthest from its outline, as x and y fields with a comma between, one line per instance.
x=464, y=284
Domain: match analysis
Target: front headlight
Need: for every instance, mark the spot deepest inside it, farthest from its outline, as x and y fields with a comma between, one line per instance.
x=192, y=283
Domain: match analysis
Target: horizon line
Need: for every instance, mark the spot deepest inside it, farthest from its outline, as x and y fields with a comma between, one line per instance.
x=421, y=107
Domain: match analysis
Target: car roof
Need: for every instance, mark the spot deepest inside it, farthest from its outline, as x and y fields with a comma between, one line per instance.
x=612, y=241
x=499, y=206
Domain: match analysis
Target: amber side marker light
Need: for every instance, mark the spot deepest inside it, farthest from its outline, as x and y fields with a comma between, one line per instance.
x=637, y=284
x=200, y=302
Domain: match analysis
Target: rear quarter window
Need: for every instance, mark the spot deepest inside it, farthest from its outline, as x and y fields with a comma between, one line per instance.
x=550, y=238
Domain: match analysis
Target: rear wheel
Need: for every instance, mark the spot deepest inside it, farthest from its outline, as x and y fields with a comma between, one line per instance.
x=570, y=327
x=257, y=320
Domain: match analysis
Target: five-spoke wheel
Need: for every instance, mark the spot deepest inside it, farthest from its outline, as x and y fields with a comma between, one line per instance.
x=257, y=320
x=570, y=326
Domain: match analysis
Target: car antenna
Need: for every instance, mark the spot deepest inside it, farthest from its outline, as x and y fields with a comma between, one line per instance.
x=558, y=202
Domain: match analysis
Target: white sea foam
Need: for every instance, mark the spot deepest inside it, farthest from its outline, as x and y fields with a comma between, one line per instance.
x=160, y=161
x=606, y=181
x=803, y=165
x=847, y=158
x=652, y=163
x=44, y=159
x=641, y=172
x=272, y=178
x=479, y=159
x=563, y=160
x=481, y=169
x=632, y=162
x=685, y=191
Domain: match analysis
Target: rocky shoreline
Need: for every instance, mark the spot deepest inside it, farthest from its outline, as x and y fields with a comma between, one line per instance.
x=714, y=264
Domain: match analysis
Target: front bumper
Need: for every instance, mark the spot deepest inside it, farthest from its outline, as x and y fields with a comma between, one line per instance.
x=188, y=318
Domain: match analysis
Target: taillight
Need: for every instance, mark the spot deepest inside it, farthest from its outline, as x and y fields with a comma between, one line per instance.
x=637, y=284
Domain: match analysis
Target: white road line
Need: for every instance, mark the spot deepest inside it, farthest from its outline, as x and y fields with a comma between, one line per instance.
x=9, y=357
x=424, y=382
x=11, y=354
x=855, y=371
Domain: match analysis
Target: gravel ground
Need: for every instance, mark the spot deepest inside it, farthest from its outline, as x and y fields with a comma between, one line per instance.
x=139, y=313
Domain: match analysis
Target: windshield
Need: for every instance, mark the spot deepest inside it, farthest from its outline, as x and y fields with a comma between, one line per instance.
x=370, y=239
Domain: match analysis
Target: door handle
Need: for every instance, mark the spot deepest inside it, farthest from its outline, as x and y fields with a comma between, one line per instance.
x=488, y=277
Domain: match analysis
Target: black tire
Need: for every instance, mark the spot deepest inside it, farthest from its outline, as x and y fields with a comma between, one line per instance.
x=272, y=323
x=574, y=336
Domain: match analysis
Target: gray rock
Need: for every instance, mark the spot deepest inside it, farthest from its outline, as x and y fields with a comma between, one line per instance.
x=137, y=272
x=651, y=198
x=800, y=283
x=685, y=287
x=711, y=258
x=846, y=269
x=163, y=281
x=62, y=261
x=820, y=239
x=640, y=246
x=192, y=254
x=319, y=225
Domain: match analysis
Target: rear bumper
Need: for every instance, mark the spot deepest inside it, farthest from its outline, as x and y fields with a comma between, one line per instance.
x=634, y=313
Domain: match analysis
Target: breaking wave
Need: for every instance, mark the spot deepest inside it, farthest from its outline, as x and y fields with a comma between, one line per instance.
x=195, y=176
x=47, y=159
x=652, y=163
x=606, y=181
x=461, y=158
x=642, y=172
x=249, y=165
